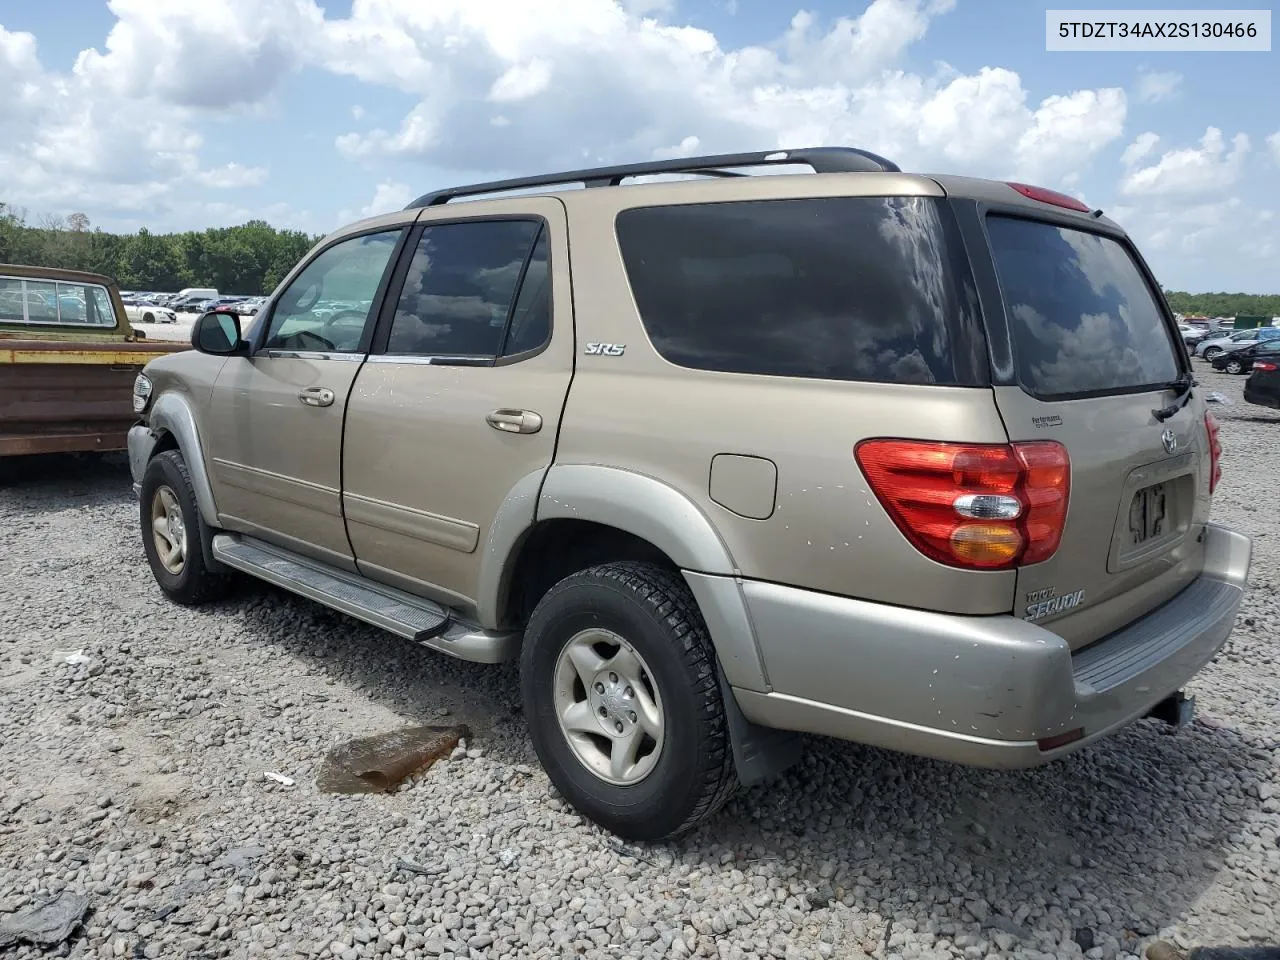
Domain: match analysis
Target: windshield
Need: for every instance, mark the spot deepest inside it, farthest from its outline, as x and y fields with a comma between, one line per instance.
x=1082, y=317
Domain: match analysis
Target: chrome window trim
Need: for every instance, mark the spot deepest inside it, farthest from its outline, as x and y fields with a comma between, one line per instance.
x=477, y=360
x=276, y=354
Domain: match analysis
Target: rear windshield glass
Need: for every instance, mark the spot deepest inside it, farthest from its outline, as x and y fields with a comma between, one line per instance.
x=1082, y=316
x=847, y=288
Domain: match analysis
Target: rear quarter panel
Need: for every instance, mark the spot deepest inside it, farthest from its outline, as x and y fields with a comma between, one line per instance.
x=827, y=531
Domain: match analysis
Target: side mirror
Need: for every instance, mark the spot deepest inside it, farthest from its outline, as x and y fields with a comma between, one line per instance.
x=218, y=334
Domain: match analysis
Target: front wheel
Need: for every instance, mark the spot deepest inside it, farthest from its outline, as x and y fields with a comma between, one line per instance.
x=171, y=533
x=148, y=318
x=1235, y=366
x=1212, y=353
x=619, y=684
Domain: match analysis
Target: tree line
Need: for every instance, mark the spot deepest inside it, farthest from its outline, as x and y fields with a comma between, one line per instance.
x=1224, y=304
x=249, y=259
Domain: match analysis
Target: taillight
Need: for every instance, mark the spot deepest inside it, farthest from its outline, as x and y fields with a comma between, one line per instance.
x=1045, y=195
x=1265, y=365
x=979, y=506
x=1215, y=450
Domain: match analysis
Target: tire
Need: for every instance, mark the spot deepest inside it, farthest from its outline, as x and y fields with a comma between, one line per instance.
x=166, y=489
x=1235, y=366
x=1212, y=352
x=148, y=318
x=650, y=609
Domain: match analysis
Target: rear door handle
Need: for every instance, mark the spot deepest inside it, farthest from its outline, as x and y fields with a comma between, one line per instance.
x=515, y=421
x=316, y=396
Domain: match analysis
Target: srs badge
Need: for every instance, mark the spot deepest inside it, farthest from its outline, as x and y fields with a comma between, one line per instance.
x=1046, y=603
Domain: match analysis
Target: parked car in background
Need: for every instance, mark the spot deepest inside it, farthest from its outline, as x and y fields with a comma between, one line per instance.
x=1191, y=336
x=513, y=427
x=1263, y=386
x=198, y=304
x=1208, y=349
x=1242, y=360
x=202, y=293
x=148, y=312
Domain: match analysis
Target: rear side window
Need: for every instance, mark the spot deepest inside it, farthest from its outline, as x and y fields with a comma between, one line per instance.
x=54, y=302
x=842, y=288
x=1082, y=316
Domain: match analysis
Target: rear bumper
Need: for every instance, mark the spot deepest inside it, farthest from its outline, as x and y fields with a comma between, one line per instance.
x=980, y=690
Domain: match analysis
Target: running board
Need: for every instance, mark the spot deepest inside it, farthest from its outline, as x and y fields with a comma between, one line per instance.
x=403, y=614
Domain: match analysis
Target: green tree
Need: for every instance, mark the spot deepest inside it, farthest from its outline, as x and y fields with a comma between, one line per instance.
x=247, y=259
x=1224, y=304
x=149, y=262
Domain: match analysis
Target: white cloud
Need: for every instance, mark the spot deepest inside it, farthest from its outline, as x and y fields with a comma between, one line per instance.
x=18, y=63
x=201, y=53
x=1211, y=167
x=1157, y=85
x=627, y=87
x=521, y=81
x=387, y=198
x=75, y=141
x=543, y=84
x=1140, y=148
x=577, y=81
x=231, y=175
x=687, y=147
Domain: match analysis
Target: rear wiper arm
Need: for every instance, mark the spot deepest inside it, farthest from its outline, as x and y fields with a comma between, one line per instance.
x=1184, y=385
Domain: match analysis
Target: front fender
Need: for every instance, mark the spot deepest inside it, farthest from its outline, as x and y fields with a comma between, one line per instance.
x=171, y=413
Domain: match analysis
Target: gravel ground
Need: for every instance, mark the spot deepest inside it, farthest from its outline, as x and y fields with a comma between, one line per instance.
x=138, y=779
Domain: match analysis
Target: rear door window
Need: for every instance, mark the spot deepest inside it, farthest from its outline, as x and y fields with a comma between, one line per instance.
x=458, y=295
x=832, y=288
x=1083, y=319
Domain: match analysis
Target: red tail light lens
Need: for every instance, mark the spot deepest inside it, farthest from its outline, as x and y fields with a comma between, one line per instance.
x=1215, y=451
x=976, y=506
x=1049, y=196
x=1266, y=365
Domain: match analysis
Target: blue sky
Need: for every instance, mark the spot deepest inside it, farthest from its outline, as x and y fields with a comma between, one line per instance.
x=175, y=114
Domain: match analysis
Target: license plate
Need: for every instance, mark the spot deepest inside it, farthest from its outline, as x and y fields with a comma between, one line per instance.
x=1148, y=514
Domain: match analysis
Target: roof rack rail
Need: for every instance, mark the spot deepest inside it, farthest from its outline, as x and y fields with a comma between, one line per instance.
x=820, y=159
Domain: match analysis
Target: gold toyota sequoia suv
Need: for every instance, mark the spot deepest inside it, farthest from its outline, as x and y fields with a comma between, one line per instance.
x=915, y=461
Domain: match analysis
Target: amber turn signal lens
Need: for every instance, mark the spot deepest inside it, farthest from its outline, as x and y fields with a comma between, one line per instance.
x=986, y=544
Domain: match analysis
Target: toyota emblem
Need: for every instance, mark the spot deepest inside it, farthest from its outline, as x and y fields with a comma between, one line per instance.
x=1170, y=441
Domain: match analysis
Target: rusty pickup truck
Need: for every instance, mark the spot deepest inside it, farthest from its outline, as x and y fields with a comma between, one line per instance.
x=68, y=359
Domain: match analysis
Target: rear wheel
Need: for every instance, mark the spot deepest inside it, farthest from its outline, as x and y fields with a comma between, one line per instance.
x=1235, y=366
x=171, y=533
x=623, y=700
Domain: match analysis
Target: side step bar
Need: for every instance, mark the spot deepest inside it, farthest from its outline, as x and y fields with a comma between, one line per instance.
x=403, y=614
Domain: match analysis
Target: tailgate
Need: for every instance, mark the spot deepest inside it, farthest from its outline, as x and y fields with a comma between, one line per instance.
x=1095, y=357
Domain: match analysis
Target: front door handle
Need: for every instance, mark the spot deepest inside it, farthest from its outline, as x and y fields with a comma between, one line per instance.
x=515, y=421
x=316, y=396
